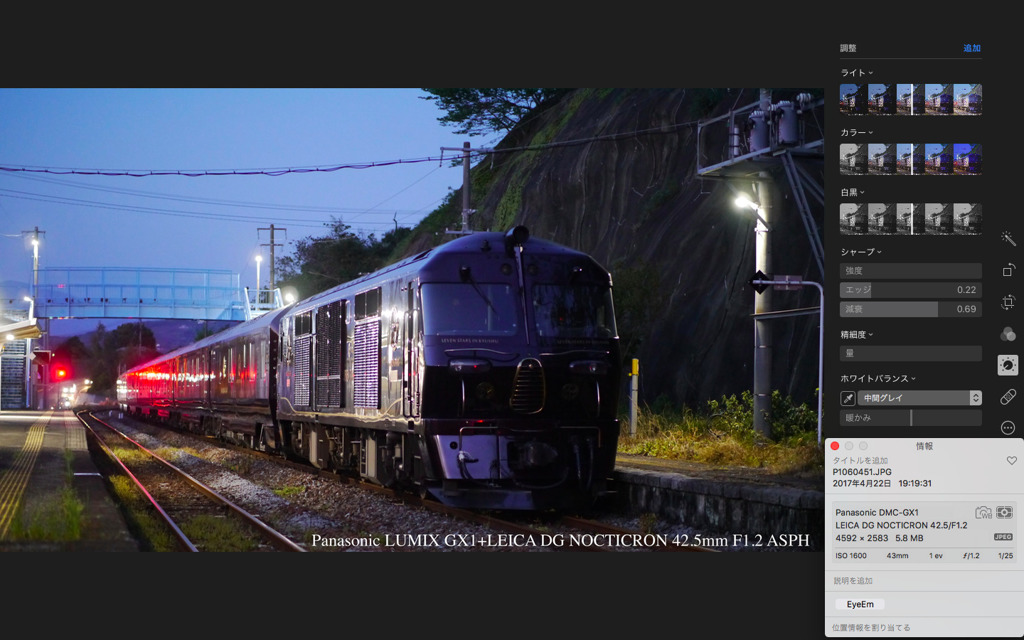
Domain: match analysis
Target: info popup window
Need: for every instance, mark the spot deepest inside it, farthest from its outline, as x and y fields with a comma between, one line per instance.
x=922, y=537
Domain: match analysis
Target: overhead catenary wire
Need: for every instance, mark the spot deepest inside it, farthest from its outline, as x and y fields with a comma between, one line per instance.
x=26, y=169
x=250, y=218
x=194, y=173
x=214, y=201
x=136, y=209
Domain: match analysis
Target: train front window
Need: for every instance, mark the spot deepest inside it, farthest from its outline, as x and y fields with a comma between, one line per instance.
x=573, y=312
x=471, y=308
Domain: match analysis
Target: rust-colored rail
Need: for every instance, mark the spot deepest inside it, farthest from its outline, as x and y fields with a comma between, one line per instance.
x=278, y=540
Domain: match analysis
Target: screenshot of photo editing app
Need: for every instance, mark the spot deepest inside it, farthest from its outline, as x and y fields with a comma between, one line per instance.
x=924, y=462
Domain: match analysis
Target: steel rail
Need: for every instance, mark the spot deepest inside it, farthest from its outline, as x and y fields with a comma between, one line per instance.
x=175, y=529
x=281, y=542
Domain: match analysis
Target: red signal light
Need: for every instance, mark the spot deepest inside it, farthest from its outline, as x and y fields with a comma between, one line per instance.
x=60, y=373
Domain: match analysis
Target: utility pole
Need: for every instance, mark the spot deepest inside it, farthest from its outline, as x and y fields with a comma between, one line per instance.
x=466, y=211
x=787, y=283
x=772, y=132
x=271, y=244
x=763, y=305
x=465, y=188
x=35, y=232
x=763, y=299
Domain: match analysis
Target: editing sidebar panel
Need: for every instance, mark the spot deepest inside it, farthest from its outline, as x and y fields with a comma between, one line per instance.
x=924, y=464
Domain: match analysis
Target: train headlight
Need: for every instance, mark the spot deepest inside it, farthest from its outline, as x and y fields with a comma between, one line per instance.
x=524, y=456
x=485, y=391
x=469, y=365
x=591, y=367
x=516, y=237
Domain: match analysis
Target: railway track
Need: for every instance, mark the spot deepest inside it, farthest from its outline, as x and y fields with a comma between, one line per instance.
x=489, y=531
x=196, y=516
x=557, y=532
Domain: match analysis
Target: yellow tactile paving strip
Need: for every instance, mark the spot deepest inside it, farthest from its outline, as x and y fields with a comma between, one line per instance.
x=14, y=480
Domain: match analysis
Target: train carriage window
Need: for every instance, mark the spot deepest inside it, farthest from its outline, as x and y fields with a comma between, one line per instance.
x=367, y=304
x=573, y=312
x=470, y=308
x=304, y=323
x=261, y=360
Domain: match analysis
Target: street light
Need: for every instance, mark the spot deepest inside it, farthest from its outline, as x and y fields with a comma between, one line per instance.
x=259, y=260
x=743, y=202
x=35, y=263
x=762, y=299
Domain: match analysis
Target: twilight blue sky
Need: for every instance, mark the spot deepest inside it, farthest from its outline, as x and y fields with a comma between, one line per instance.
x=209, y=221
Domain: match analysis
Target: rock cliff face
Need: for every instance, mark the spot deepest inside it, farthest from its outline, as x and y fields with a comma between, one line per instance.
x=613, y=173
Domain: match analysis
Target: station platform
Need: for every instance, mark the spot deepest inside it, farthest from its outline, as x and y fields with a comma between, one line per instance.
x=44, y=465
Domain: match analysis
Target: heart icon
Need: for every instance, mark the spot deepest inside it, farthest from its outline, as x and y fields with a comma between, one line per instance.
x=1011, y=459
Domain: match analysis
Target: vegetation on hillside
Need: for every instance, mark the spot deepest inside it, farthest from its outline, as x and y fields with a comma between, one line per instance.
x=319, y=263
x=476, y=112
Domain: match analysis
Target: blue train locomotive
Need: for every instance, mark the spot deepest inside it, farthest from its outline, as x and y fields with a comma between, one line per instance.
x=484, y=372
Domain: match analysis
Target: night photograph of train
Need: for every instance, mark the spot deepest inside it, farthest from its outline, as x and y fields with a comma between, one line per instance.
x=316, y=354
x=483, y=373
x=573, y=359
x=331, y=352
x=560, y=354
